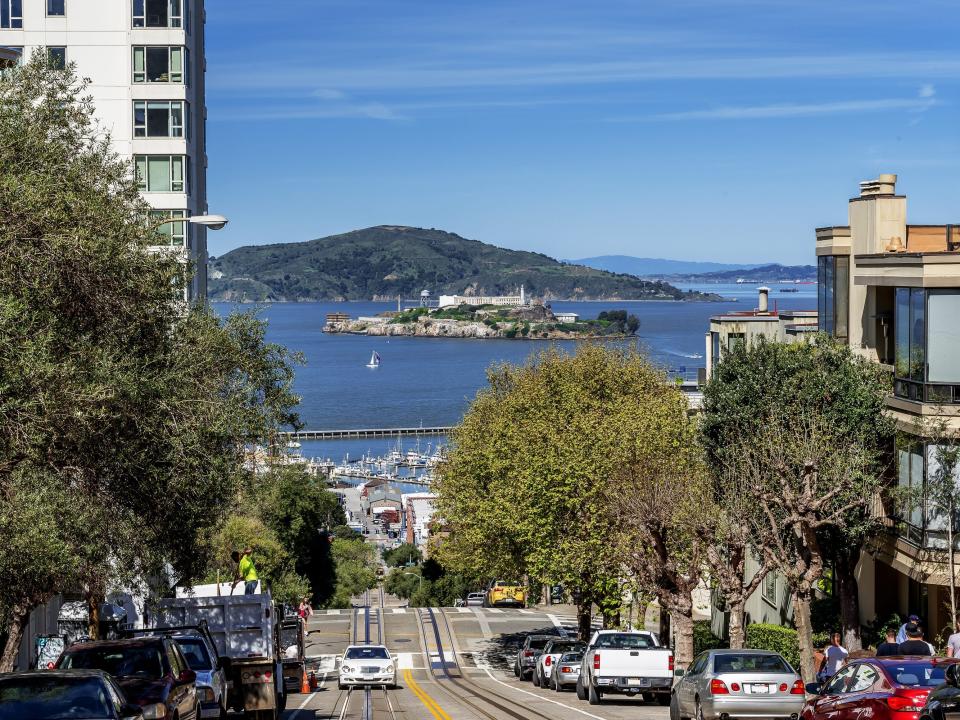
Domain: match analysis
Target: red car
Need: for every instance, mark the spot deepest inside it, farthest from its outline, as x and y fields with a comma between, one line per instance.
x=883, y=688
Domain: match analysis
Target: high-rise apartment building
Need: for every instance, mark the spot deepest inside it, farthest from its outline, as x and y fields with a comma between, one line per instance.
x=145, y=61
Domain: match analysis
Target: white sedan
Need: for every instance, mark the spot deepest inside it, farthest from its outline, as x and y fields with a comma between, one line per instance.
x=367, y=665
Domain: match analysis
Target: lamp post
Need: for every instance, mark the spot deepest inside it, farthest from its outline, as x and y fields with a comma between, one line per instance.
x=418, y=577
x=213, y=222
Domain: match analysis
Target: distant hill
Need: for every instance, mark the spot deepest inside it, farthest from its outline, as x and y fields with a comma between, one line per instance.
x=647, y=267
x=760, y=273
x=385, y=261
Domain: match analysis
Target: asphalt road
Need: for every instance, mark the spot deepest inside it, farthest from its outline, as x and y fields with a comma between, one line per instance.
x=454, y=664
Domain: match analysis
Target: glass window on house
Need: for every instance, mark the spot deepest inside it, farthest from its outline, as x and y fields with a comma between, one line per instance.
x=158, y=13
x=56, y=8
x=833, y=295
x=11, y=14
x=927, y=352
x=910, y=473
x=735, y=340
x=161, y=64
x=174, y=233
x=161, y=173
x=6, y=65
x=158, y=118
x=768, y=589
x=57, y=56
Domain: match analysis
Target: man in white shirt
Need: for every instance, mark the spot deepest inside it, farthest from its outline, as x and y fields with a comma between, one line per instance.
x=833, y=657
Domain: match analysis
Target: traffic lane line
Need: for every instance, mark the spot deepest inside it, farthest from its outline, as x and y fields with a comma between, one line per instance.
x=541, y=697
x=428, y=702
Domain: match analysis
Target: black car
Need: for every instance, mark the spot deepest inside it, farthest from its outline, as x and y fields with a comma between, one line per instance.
x=63, y=694
x=151, y=671
x=943, y=702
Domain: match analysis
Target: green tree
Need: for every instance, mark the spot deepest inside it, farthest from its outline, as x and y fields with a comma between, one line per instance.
x=355, y=568
x=119, y=404
x=405, y=554
x=803, y=424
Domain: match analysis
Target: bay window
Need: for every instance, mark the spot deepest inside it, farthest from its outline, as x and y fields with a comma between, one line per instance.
x=162, y=173
x=174, y=233
x=161, y=64
x=833, y=295
x=158, y=118
x=927, y=355
x=925, y=514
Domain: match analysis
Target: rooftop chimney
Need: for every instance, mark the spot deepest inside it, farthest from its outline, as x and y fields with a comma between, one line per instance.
x=886, y=184
x=763, y=304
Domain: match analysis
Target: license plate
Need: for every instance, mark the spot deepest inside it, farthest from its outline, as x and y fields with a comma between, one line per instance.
x=639, y=682
x=760, y=689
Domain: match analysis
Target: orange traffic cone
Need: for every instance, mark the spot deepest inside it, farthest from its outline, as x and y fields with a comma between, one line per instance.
x=305, y=685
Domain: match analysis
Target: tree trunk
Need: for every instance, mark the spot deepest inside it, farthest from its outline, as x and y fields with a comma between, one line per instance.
x=93, y=622
x=583, y=619
x=683, y=638
x=17, y=623
x=845, y=565
x=801, y=618
x=952, y=565
x=737, y=630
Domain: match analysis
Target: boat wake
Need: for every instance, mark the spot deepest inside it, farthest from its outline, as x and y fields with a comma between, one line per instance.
x=692, y=356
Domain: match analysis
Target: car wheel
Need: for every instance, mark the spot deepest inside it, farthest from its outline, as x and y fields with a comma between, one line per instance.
x=674, y=708
x=594, y=697
x=536, y=679
x=557, y=687
x=516, y=669
x=223, y=711
x=581, y=694
x=663, y=700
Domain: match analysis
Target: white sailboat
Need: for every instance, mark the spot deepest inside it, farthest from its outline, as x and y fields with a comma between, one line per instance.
x=374, y=360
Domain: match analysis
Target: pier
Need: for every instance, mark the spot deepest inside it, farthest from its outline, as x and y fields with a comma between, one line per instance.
x=366, y=433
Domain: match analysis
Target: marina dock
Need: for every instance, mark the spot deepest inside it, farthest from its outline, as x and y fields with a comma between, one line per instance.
x=366, y=433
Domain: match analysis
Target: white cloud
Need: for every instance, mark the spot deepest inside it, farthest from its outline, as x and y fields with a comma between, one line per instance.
x=787, y=110
x=927, y=90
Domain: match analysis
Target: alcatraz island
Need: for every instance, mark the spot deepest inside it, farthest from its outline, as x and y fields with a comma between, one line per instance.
x=503, y=316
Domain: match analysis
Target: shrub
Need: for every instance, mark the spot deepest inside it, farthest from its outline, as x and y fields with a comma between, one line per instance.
x=777, y=638
x=704, y=639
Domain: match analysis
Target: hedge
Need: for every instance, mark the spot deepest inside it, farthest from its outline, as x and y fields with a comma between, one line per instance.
x=777, y=638
x=704, y=639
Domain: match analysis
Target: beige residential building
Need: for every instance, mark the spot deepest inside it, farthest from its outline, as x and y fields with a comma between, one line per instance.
x=892, y=291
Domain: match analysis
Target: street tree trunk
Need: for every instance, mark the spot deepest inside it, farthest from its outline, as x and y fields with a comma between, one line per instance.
x=584, y=607
x=93, y=618
x=845, y=565
x=683, y=638
x=16, y=624
x=737, y=630
x=951, y=563
x=801, y=618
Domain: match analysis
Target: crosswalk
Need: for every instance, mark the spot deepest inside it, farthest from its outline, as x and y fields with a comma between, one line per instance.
x=561, y=621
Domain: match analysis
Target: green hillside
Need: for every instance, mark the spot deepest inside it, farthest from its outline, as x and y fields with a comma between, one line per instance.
x=385, y=261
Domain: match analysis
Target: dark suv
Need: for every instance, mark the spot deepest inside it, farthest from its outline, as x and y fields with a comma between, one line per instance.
x=527, y=656
x=151, y=671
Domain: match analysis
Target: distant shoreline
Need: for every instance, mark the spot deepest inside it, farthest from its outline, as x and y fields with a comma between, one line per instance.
x=410, y=300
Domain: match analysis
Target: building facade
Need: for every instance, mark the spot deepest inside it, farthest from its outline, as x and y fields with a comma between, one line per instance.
x=454, y=300
x=892, y=291
x=145, y=61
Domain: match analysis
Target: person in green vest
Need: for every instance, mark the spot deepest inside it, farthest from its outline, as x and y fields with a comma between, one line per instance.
x=246, y=571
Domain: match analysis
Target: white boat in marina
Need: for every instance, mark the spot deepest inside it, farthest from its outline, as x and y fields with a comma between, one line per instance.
x=374, y=360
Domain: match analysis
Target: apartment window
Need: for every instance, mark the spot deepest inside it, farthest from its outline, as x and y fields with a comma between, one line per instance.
x=174, y=233
x=158, y=118
x=162, y=173
x=927, y=353
x=768, y=588
x=158, y=64
x=833, y=295
x=158, y=13
x=56, y=8
x=11, y=14
x=735, y=340
x=57, y=57
x=925, y=521
x=6, y=64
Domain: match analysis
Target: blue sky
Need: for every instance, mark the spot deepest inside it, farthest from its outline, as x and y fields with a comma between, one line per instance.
x=688, y=129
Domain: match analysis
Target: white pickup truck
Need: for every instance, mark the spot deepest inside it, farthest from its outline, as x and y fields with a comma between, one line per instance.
x=627, y=663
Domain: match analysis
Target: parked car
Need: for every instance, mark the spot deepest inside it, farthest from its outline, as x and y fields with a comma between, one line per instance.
x=884, y=688
x=625, y=663
x=476, y=599
x=503, y=593
x=367, y=665
x=151, y=671
x=943, y=702
x=567, y=671
x=201, y=655
x=738, y=683
x=528, y=653
x=548, y=658
x=59, y=694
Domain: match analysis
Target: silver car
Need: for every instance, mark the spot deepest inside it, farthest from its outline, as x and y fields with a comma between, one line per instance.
x=722, y=684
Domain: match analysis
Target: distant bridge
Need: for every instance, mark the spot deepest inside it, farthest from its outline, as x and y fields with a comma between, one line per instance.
x=366, y=433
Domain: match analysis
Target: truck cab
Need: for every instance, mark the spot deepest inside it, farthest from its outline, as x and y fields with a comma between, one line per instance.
x=625, y=663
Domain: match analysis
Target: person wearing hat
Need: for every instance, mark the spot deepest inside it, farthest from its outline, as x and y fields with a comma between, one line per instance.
x=915, y=644
x=902, y=632
x=246, y=571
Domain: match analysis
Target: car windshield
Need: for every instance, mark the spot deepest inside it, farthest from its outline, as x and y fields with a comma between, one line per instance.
x=129, y=661
x=750, y=662
x=53, y=698
x=573, y=657
x=195, y=651
x=625, y=641
x=367, y=653
x=563, y=647
x=538, y=643
x=916, y=673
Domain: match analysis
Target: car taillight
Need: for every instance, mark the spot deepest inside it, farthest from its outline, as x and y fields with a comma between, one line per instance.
x=596, y=661
x=912, y=702
x=670, y=663
x=783, y=687
x=718, y=687
x=547, y=661
x=735, y=687
x=268, y=674
x=528, y=653
x=798, y=688
x=566, y=669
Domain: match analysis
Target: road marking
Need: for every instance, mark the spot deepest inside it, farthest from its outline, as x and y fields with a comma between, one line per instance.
x=463, y=610
x=540, y=697
x=557, y=624
x=307, y=699
x=405, y=661
x=484, y=625
x=399, y=611
x=333, y=612
x=527, y=612
x=495, y=610
x=428, y=702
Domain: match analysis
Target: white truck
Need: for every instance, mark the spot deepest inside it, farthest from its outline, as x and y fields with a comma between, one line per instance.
x=244, y=629
x=625, y=663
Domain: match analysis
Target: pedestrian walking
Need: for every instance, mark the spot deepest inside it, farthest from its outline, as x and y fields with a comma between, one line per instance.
x=953, y=642
x=833, y=657
x=305, y=611
x=902, y=632
x=890, y=646
x=915, y=644
x=246, y=571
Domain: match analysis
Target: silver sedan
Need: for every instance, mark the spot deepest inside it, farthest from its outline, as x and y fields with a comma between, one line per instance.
x=722, y=684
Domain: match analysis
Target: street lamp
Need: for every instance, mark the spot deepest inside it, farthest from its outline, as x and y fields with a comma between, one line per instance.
x=213, y=222
x=418, y=577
